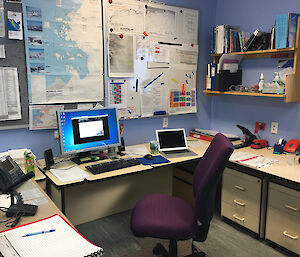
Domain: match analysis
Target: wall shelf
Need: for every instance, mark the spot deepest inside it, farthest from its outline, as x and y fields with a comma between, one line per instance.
x=259, y=53
x=292, y=87
x=209, y=92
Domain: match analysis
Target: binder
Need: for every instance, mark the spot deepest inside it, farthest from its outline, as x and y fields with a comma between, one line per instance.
x=61, y=240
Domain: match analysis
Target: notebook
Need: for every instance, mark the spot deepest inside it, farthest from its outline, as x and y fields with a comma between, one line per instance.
x=173, y=143
x=60, y=240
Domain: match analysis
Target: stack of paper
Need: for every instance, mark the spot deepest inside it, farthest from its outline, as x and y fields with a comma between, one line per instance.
x=67, y=175
x=252, y=160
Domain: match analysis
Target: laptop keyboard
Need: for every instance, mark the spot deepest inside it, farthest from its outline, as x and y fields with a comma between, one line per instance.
x=176, y=151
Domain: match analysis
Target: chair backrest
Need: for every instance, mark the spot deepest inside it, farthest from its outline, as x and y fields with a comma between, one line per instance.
x=206, y=176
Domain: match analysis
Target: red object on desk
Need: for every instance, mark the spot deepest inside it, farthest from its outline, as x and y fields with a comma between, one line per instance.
x=259, y=143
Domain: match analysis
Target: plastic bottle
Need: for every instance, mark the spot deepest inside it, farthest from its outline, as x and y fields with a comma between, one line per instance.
x=276, y=80
x=261, y=82
x=29, y=162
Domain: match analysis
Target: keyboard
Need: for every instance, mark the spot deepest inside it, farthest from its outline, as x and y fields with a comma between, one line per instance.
x=112, y=165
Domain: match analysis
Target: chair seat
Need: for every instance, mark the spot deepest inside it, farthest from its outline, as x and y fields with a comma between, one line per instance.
x=163, y=216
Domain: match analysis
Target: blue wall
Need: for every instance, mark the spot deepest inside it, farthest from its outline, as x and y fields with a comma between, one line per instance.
x=138, y=131
x=230, y=110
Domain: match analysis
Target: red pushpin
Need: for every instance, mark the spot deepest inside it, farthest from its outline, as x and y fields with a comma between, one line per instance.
x=192, y=45
x=110, y=1
x=145, y=34
x=121, y=35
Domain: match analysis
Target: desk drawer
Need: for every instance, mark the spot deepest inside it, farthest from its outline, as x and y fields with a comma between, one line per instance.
x=284, y=199
x=241, y=185
x=240, y=216
x=242, y=202
x=283, y=229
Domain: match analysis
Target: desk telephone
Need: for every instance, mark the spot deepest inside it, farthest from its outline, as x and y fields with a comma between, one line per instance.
x=11, y=177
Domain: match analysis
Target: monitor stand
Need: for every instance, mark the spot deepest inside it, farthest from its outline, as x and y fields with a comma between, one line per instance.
x=87, y=157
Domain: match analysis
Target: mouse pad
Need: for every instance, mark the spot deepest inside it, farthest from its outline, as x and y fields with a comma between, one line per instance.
x=158, y=159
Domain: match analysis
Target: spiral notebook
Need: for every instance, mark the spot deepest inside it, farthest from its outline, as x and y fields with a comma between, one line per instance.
x=60, y=240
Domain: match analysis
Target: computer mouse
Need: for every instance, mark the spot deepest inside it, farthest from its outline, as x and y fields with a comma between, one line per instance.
x=148, y=157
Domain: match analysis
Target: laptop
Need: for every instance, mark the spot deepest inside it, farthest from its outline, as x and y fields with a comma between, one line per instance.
x=172, y=143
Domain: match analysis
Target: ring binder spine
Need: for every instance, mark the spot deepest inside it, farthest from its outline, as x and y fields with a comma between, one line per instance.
x=95, y=254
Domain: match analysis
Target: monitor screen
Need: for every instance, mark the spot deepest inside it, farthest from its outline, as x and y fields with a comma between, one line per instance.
x=171, y=139
x=86, y=130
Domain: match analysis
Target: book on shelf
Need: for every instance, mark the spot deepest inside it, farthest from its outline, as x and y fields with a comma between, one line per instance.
x=223, y=39
x=292, y=29
x=285, y=30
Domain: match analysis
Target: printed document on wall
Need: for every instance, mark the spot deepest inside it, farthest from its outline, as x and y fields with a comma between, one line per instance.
x=2, y=24
x=63, y=41
x=117, y=93
x=43, y=116
x=187, y=21
x=14, y=25
x=153, y=97
x=125, y=17
x=160, y=21
x=10, y=107
x=121, y=55
x=159, y=52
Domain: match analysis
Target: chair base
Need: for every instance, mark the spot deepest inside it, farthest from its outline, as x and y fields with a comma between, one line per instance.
x=160, y=250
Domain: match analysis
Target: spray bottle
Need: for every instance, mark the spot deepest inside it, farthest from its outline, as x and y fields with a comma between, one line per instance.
x=261, y=82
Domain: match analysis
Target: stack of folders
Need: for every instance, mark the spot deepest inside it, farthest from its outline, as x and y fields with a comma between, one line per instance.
x=49, y=237
x=285, y=30
x=228, y=39
x=211, y=74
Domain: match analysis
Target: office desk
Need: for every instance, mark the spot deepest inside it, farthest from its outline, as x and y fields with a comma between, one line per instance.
x=112, y=192
x=45, y=210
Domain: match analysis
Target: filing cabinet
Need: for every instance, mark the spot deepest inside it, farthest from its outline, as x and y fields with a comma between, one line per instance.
x=283, y=217
x=240, y=199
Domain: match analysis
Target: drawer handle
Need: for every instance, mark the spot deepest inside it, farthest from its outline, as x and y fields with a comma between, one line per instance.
x=291, y=208
x=238, y=218
x=240, y=188
x=290, y=236
x=239, y=203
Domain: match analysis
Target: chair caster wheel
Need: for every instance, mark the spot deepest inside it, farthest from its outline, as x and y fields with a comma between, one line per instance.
x=159, y=250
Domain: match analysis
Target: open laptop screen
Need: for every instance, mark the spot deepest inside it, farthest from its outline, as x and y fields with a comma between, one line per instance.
x=171, y=139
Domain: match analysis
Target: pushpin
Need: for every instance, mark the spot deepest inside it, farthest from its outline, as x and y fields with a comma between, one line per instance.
x=192, y=45
x=110, y=1
x=145, y=34
x=121, y=35
x=182, y=90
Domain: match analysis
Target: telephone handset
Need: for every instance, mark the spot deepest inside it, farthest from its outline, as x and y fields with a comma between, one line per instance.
x=11, y=175
x=248, y=137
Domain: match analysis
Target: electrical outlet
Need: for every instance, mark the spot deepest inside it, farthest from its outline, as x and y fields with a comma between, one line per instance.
x=274, y=127
x=165, y=122
x=56, y=136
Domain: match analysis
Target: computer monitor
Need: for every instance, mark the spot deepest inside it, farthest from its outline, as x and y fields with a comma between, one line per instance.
x=88, y=130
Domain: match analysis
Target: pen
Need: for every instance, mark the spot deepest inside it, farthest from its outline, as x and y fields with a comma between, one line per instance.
x=38, y=233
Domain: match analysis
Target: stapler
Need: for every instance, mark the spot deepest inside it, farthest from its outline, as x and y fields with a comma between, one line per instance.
x=259, y=143
x=248, y=137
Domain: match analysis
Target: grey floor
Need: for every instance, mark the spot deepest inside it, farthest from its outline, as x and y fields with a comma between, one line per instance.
x=225, y=239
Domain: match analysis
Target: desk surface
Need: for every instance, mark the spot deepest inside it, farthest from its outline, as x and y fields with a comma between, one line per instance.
x=44, y=210
x=281, y=169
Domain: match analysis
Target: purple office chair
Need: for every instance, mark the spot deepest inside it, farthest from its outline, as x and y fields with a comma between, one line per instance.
x=172, y=218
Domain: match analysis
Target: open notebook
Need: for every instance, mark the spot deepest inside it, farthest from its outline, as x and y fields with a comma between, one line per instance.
x=65, y=241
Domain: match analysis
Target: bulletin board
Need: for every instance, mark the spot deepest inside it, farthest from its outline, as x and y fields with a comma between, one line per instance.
x=15, y=57
x=151, y=53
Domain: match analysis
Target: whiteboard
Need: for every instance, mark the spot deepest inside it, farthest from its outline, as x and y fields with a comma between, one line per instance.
x=152, y=57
